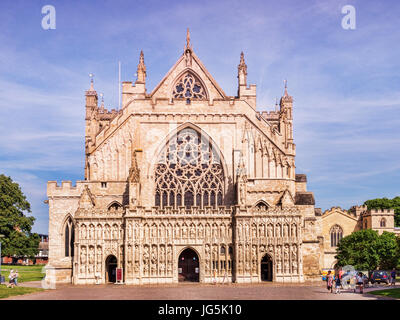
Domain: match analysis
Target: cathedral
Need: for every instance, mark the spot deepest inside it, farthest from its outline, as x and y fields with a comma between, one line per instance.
x=185, y=183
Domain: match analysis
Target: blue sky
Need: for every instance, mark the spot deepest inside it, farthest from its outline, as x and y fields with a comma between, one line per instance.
x=345, y=83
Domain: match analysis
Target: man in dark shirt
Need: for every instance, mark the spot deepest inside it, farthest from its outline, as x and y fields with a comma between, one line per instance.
x=393, y=277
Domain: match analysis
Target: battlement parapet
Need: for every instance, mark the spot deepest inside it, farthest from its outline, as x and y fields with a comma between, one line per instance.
x=387, y=211
x=100, y=188
x=105, y=114
x=269, y=115
x=337, y=208
x=363, y=208
x=358, y=210
x=66, y=188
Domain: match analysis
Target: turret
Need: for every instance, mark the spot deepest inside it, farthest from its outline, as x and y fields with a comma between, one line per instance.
x=138, y=90
x=242, y=72
x=244, y=92
x=286, y=117
x=90, y=121
x=91, y=100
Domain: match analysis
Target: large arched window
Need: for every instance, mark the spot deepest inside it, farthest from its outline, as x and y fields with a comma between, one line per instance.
x=336, y=235
x=189, y=87
x=383, y=223
x=69, y=238
x=189, y=172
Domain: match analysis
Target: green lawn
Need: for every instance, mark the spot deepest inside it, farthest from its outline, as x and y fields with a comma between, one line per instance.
x=392, y=293
x=16, y=291
x=25, y=273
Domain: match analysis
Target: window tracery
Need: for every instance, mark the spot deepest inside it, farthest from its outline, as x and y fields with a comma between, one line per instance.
x=336, y=235
x=189, y=87
x=189, y=172
x=69, y=238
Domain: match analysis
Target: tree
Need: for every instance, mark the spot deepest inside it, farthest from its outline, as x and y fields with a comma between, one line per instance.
x=359, y=249
x=385, y=203
x=367, y=250
x=14, y=224
x=388, y=250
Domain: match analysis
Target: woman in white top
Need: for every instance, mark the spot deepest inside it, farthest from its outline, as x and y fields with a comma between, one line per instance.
x=360, y=282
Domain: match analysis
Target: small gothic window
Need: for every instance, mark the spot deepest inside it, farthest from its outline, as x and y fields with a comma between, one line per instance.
x=114, y=207
x=69, y=235
x=223, y=250
x=383, y=222
x=261, y=206
x=336, y=235
x=189, y=87
x=365, y=224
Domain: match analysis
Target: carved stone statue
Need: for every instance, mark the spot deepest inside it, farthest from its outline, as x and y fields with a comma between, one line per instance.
x=99, y=259
x=285, y=230
x=91, y=260
x=83, y=259
x=294, y=230
x=270, y=231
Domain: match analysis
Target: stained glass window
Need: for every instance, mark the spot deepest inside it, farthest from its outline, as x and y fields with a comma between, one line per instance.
x=189, y=172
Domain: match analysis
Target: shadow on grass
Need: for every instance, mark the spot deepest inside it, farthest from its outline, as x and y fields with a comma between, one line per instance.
x=390, y=293
x=16, y=291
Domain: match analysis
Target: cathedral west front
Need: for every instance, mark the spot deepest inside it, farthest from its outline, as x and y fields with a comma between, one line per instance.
x=185, y=183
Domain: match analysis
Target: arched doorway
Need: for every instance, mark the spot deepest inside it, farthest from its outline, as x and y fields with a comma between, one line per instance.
x=266, y=268
x=188, y=266
x=111, y=268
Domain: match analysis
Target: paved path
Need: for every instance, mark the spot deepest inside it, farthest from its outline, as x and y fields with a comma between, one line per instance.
x=265, y=291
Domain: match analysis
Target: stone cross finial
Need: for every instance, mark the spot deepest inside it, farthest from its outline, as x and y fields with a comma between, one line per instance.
x=187, y=38
x=91, y=75
x=286, y=93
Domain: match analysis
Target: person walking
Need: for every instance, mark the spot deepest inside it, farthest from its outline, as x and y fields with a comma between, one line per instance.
x=338, y=283
x=360, y=282
x=393, y=277
x=329, y=281
x=16, y=277
x=11, y=279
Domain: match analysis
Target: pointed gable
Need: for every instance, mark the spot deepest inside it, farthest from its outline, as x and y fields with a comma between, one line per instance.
x=87, y=200
x=190, y=64
x=286, y=200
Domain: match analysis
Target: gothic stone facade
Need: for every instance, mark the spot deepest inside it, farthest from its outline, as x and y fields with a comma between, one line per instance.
x=185, y=166
x=338, y=223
